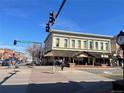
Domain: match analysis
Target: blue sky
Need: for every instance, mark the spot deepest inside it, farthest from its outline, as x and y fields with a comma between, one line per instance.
x=26, y=19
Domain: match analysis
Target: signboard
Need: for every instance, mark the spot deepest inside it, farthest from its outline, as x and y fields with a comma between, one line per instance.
x=104, y=56
x=27, y=42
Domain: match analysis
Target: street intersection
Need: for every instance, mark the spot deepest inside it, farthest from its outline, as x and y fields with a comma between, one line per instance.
x=44, y=79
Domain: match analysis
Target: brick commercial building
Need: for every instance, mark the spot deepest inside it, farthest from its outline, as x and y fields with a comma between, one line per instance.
x=8, y=53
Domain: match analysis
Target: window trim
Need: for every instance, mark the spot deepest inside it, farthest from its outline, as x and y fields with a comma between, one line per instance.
x=79, y=44
x=57, y=42
x=91, y=45
x=65, y=43
x=73, y=43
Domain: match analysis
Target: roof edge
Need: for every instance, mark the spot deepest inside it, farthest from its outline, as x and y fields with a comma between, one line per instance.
x=79, y=33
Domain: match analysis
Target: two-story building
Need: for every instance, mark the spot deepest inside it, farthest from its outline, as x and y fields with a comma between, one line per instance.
x=8, y=53
x=81, y=48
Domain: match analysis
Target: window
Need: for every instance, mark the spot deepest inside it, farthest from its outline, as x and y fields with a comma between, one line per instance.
x=79, y=43
x=73, y=43
x=96, y=45
x=101, y=45
x=65, y=43
x=85, y=44
x=91, y=44
x=107, y=46
x=57, y=42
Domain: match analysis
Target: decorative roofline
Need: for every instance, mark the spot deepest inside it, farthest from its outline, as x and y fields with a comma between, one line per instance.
x=79, y=33
x=76, y=33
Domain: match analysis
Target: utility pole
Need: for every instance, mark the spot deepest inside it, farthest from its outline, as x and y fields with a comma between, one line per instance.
x=60, y=8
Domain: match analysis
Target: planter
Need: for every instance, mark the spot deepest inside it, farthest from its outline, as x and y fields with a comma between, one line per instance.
x=71, y=65
x=104, y=65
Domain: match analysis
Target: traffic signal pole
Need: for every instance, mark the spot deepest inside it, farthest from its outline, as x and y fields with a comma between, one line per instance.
x=53, y=17
x=60, y=8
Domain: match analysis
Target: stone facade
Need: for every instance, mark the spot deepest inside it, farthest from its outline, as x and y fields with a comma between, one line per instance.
x=66, y=45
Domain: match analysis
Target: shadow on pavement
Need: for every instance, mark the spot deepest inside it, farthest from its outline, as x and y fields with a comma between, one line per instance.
x=60, y=87
x=6, y=78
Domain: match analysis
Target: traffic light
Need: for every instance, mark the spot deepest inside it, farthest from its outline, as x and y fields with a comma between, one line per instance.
x=15, y=42
x=47, y=27
x=52, y=18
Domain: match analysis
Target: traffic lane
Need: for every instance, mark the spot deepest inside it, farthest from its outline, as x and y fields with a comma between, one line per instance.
x=60, y=87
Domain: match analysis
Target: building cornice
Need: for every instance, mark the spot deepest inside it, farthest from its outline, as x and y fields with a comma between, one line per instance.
x=80, y=34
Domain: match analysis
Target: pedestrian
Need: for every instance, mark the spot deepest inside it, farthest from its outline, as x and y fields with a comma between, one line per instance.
x=122, y=64
x=62, y=65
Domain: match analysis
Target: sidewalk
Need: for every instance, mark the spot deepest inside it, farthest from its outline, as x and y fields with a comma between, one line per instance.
x=42, y=81
x=67, y=81
x=16, y=82
x=89, y=82
x=4, y=73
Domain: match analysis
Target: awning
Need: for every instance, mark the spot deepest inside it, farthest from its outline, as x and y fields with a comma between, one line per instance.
x=49, y=54
x=100, y=55
x=82, y=55
x=57, y=53
x=92, y=54
x=60, y=53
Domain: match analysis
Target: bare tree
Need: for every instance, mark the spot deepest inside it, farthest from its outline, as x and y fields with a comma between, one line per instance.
x=35, y=51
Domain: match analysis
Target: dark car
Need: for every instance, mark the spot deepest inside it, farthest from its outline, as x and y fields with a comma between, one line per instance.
x=6, y=62
x=1, y=62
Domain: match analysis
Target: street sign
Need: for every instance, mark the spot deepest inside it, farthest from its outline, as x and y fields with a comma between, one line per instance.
x=26, y=42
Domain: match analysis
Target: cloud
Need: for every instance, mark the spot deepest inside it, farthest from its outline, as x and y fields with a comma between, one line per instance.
x=1, y=43
x=17, y=48
x=67, y=25
x=12, y=9
x=14, y=12
x=19, y=8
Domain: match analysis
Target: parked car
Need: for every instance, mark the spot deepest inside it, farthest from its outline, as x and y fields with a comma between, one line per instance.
x=6, y=62
x=1, y=62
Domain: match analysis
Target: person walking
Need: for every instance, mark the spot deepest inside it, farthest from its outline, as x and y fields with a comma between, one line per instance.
x=62, y=65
